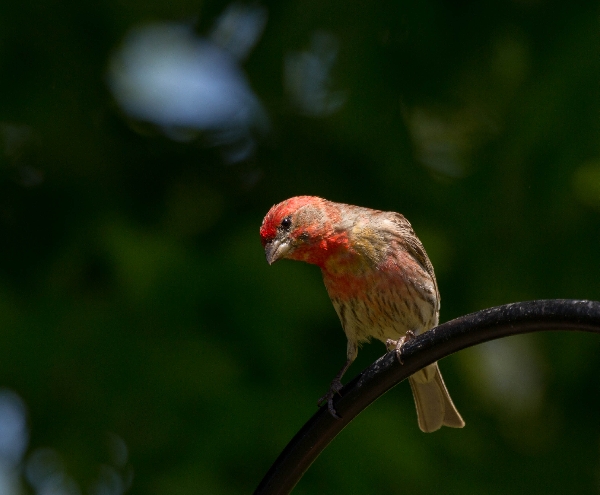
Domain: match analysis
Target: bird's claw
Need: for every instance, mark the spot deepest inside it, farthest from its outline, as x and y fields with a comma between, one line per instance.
x=396, y=345
x=336, y=386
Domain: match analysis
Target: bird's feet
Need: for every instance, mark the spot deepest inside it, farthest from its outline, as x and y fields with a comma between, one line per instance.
x=396, y=345
x=336, y=386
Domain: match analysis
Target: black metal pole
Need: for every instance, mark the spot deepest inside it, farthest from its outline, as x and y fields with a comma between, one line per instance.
x=386, y=372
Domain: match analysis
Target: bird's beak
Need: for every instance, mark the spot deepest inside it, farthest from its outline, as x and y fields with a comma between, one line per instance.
x=276, y=249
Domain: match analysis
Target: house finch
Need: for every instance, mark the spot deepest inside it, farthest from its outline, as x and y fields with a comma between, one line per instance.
x=379, y=279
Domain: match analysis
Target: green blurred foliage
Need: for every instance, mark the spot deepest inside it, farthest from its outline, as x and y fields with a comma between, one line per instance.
x=134, y=295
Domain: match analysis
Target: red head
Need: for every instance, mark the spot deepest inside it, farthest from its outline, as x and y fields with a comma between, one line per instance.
x=301, y=228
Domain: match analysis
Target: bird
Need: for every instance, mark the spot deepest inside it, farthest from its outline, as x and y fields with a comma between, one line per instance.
x=379, y=279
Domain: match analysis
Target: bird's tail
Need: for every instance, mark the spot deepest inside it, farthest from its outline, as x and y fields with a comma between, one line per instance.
x=434, y=405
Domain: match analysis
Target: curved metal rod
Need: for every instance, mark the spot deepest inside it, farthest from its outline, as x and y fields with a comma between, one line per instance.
x=386, y=372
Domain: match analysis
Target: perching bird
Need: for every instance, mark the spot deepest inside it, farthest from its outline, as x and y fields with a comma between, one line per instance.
x=379, y=279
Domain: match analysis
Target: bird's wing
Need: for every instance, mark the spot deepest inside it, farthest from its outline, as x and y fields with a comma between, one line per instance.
x=412, y=244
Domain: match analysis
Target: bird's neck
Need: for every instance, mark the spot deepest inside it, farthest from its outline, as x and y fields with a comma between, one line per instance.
x=331, y=253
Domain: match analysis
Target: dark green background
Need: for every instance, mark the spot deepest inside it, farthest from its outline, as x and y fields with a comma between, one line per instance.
x=134, y=294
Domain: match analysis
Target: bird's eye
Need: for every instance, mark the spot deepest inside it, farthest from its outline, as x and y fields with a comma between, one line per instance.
x=286, y=223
